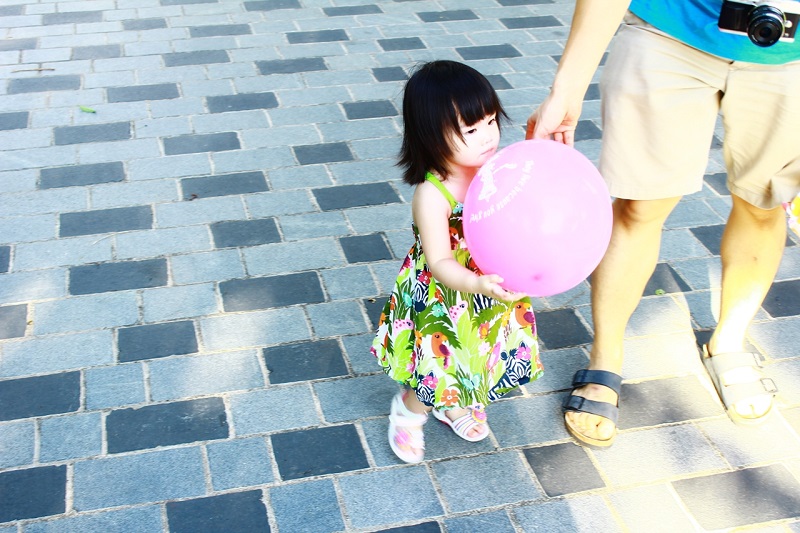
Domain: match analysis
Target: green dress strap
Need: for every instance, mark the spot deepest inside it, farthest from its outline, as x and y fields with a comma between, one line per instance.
x=439, y=185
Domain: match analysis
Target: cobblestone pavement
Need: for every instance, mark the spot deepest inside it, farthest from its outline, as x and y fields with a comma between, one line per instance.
x=200, y=218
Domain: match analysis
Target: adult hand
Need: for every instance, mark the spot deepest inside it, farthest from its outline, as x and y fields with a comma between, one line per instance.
x=556, y=119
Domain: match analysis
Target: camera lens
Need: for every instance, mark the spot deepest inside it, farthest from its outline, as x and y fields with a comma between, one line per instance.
x=765, y=25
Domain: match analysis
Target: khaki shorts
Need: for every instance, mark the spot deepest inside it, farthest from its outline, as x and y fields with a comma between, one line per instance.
x=660, y=101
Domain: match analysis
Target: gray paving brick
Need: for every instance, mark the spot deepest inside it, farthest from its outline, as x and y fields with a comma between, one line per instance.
x=250, y=160
x=144, y=24
x=337, y=318
x=162, y=91
x=171, y=303
x=13, y=321
x=33, y=492
x=205, y=267
x=186, y=144
x=142, y=478
x=14, y=121
x=114, y=151
x=349, y=282
x=17, y=442
x=260, y=328
x=579, y=514
x=71, y=437
x=45, y=83
x=222, y=185
x=147, y=518
x=220, y=29
x=114, y=386
x=333, y=397
x=319, y=114
x=40, y=395
x=280, y=136
x=125, y=194
x=288, y=257
x=291, y=66
x=239, y=463
x=81, y=174
x=72, y=18
x=200, y=211
x=105, y=221
x=93, y=133
x=200, y=57
x=239, y=102
x=76, y=350
x=325, y=516
x=85, y=313
x=210, y=374
x=25, y=286
x=169, y=167
x=5, y=258
x=157, y=242
x=290, y=408
x=117, y=276
x=240, y=511
x=18, y=44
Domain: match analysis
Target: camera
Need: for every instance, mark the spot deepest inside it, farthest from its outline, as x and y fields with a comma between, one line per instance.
x=765, y=22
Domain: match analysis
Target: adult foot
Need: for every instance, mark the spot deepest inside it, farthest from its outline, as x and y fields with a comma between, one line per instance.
x=591, y=408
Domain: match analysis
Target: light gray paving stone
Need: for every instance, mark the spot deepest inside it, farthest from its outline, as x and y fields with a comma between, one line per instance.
x=162, y=127
x=365, y=172
x=117, y=151
x=147, y=518
x=18, y=181
x=348, y=282
x=45, y=201
x=385, y=274
x=292, y=257
x=26, y=286
x=357, y=348
x=173, y=108
x=522, y=421
x=206, y=267
x=142, y=478
x=125, y=194
x=27, y=228
x=746, y=446
x=293, y=514
x=574, y=515
x=114, y=386
x=50, y=156
x=383, y=218
x=75, y=350
x=176, y=166
x=653, y=508
x=61, y=252
x=80, y=313
x=157, y=242
x=288, y=408
x=17, y=443
x=281, y=136
x=776, y=338
x=238, y=120
x=21, y=139
x=184, y=377
x=259, y=328
x=353, y=398
x=257, y=159
x=786, y=374
x=270, y=204
x=171, y=303
x=313, y=225
x=337, y=318
x=72, y=436
x=243, y=462
x=200, y=211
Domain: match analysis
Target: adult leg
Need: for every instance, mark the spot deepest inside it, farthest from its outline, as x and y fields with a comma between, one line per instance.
x=752, y=247
x=617, y=286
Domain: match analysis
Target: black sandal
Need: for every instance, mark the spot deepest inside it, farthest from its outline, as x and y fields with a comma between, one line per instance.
x=584, y=405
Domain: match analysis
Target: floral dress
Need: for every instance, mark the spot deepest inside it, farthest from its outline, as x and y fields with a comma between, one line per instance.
x=454, y=349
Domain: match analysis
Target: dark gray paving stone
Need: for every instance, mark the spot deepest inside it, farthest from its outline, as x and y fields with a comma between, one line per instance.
x=374, y=307
x=709, y=236
x=33, y=492
x=664, y=401
x=317, y=36
x=138, y=93
x=345, y=196
x=516, y=23
x=74, y=17
x=103, y=51
x=270, y=5
x=17, y=44
x=389, y=74
x=783, y=299
x=665, y=279
x=198, y=57
x=498, y=82
x=241, y=102
x=236, y=233
x=275, y=291
x=166, y=424
x=67, y=82
x=291, y=66
x=563, y=469
x=561, y=328
x=447, y=16
x=40, y=396
x=365, y=248
x=496, y=522
x=587, y=130
x=292, y=512
x=151, y=341
x=425, y=527
x=492, y=51
x=312, y=154
x=374, y=109
x=144, y=24
x=523, y=2
x=740, y=498
x=369, y=9
x=238, y=512
x=318, y=451
x=78, y=175
x=5, y=258
x=219, y=30
x=192, y=144
x=593, y=92
x=13, y=121
x=13, y=321
x=125, y=275
x=401, y=43
x=105, y=221
x=718, y=182
x=304, y=361
x=223, y=185
x=114, y=131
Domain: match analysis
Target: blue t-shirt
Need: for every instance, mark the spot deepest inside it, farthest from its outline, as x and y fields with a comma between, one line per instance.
x=694, y=22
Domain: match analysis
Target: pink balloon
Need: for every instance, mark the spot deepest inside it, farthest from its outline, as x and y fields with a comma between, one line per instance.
x=539, y=215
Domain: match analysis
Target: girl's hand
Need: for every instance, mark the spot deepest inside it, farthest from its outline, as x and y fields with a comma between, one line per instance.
x=489, y=285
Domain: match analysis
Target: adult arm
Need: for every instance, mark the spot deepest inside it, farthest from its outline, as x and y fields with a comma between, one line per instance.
x=594, y=23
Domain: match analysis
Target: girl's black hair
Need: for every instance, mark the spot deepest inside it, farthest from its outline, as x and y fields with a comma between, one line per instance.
x=435, y=96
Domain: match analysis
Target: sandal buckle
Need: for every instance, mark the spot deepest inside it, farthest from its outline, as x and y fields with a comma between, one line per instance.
x=769, y=385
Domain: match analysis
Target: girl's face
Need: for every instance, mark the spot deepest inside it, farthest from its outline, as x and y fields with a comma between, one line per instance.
x=479, y=143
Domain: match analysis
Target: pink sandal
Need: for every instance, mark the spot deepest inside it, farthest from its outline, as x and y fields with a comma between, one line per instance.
x=402, y=438
x=462, y=425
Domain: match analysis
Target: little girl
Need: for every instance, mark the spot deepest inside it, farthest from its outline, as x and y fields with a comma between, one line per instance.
x=449, y=333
